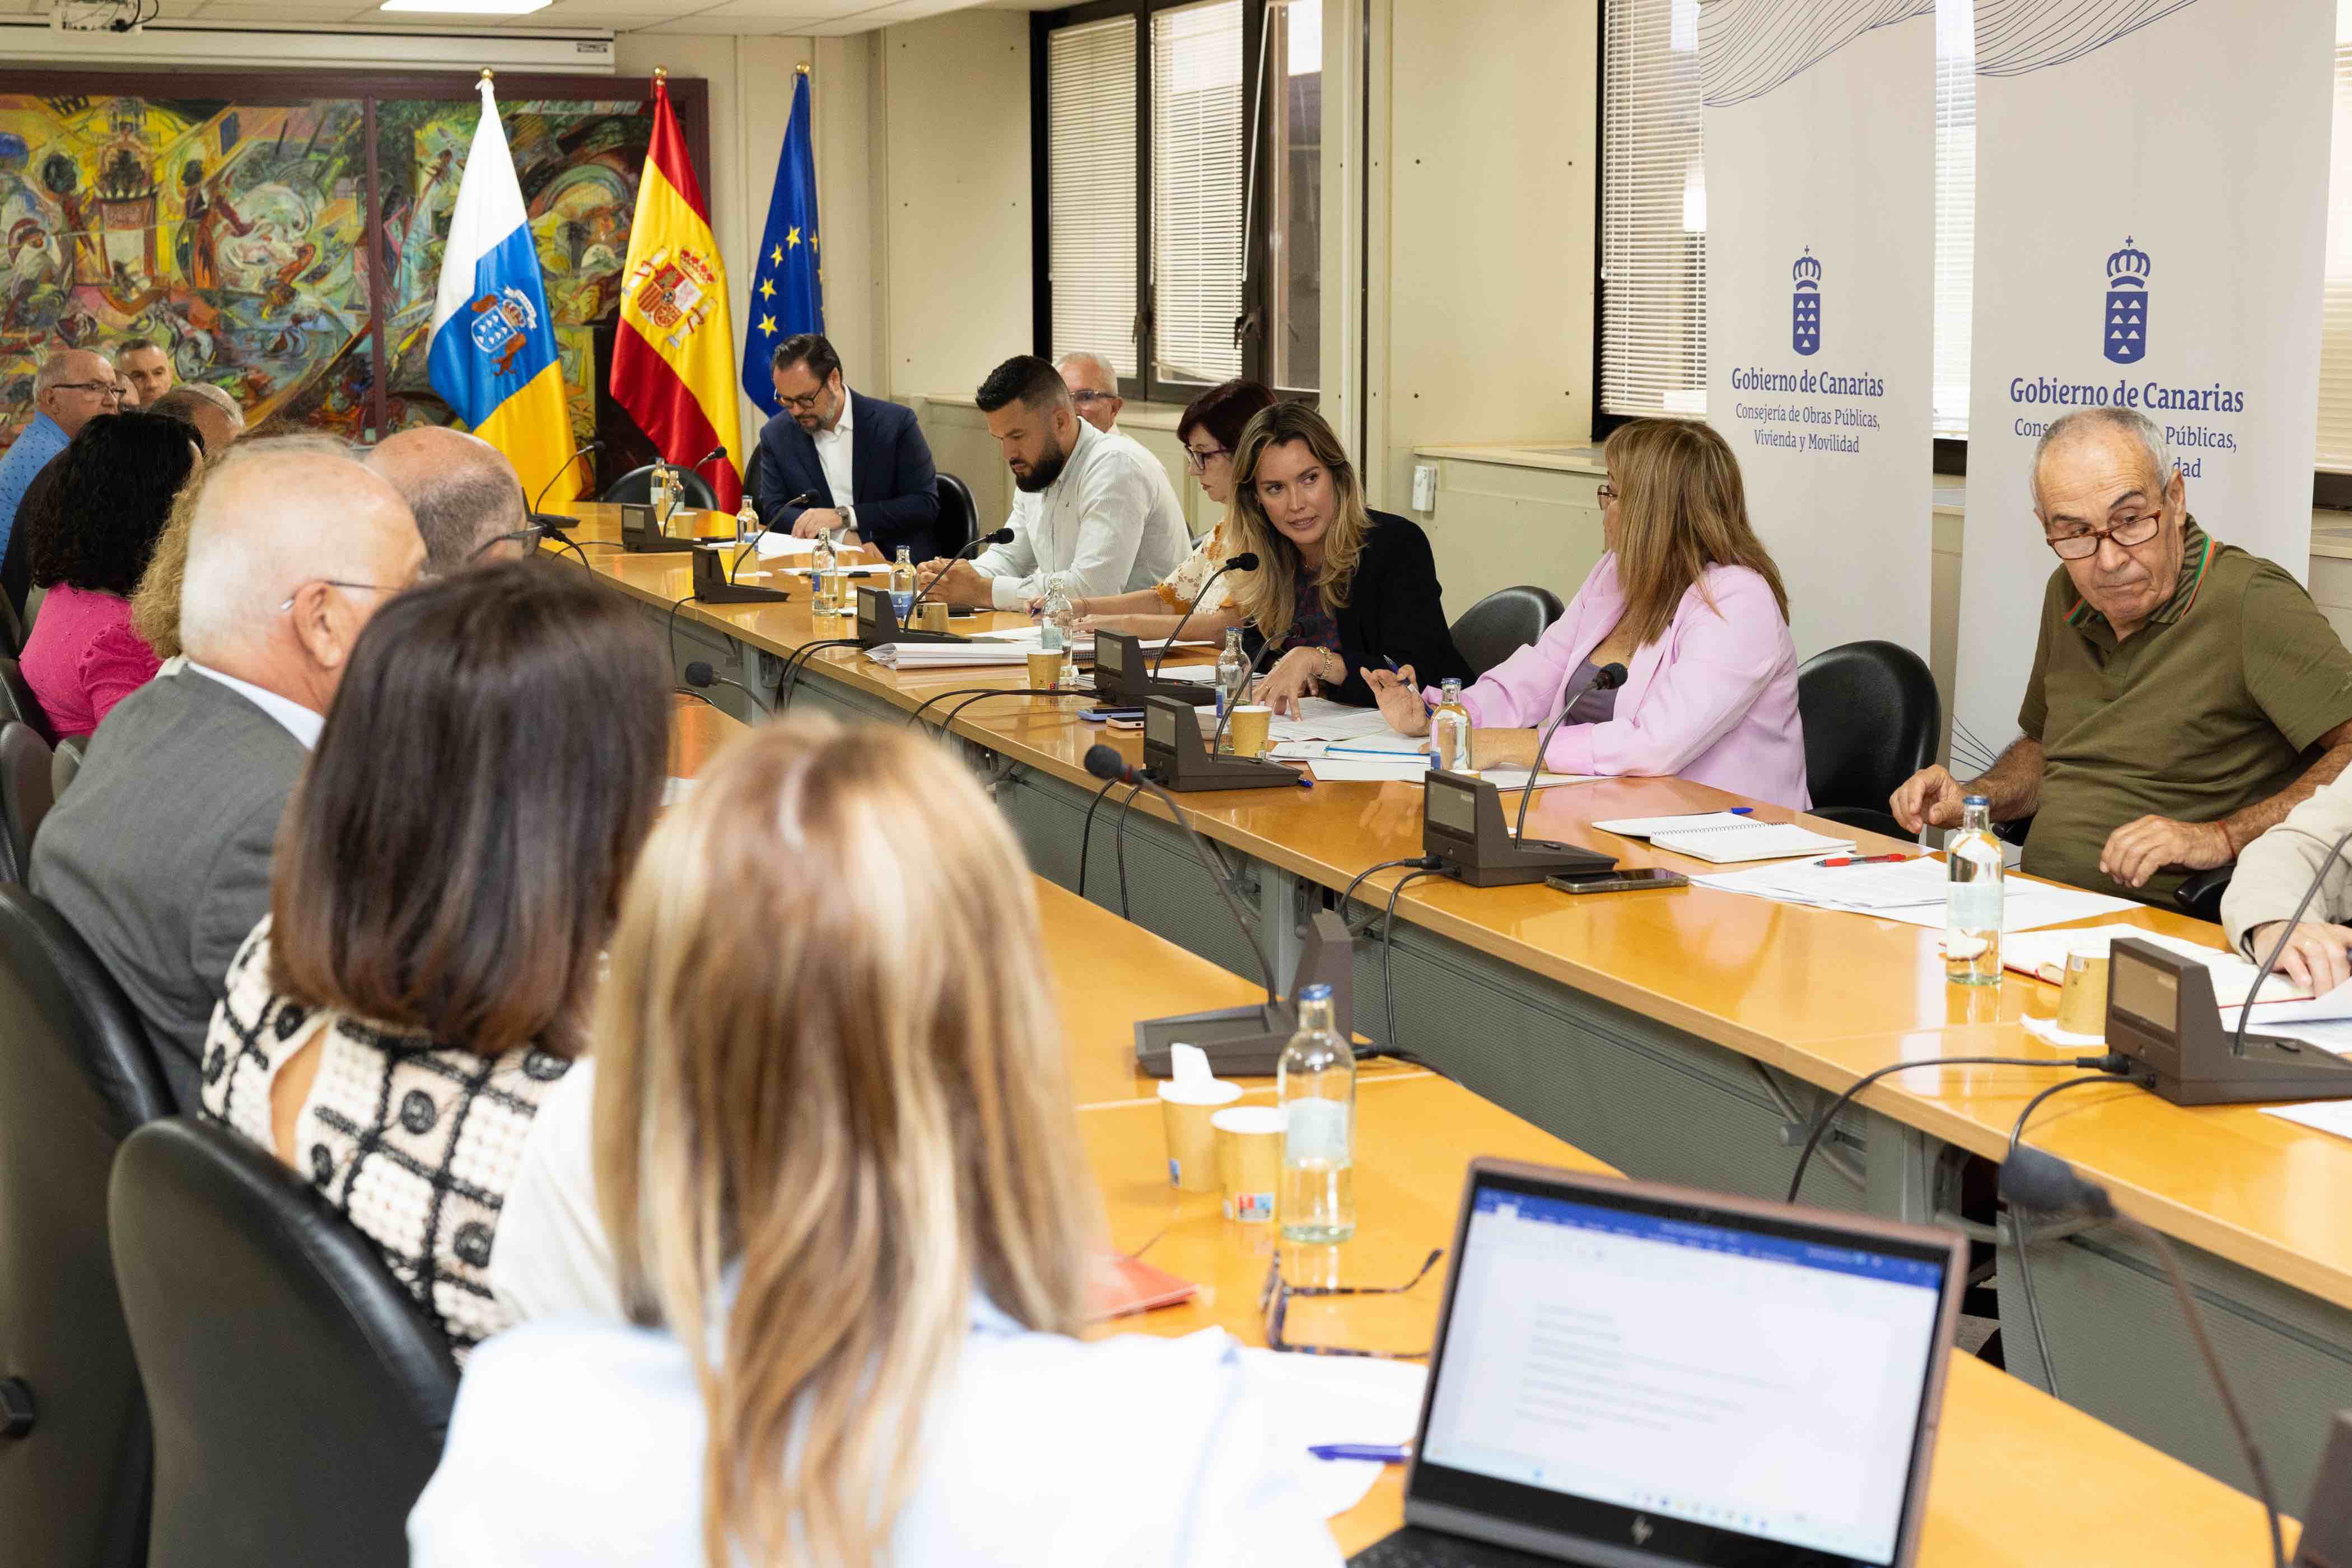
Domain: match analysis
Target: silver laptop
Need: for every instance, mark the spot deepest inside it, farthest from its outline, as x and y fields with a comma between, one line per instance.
x=1632, y=1376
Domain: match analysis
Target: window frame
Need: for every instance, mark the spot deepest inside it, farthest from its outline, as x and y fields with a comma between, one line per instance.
x=1256, y=301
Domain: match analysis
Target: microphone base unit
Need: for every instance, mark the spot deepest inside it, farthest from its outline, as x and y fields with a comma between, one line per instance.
x=1462, y=827
x=2160, y=1014
x=1248, y=1042
x=641, y=532
x=712, y=585
x=877, y=623
x=1178, y=759
x=1124, y=678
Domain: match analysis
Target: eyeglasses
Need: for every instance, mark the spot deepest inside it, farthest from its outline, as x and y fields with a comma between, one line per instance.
x=1275, y=1303
x=101, y=388
x=1196, y=460
x=802, y=405
x=2083, y=544
x=1085, y=396
x=422, y=577
x=1607, y=494
x=529, y=533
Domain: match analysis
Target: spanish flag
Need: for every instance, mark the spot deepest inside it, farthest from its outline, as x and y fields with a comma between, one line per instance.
x=493, y=353
x=674, y=355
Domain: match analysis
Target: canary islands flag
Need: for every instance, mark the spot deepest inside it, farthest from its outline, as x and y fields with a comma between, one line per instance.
x=493, y=347
x=789, y=297
x=674, y=353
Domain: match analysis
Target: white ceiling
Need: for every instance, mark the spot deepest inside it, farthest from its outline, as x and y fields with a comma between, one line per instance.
x=764, y=17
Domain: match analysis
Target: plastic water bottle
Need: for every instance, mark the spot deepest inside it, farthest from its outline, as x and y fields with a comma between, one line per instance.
x=1449, y=729
x=902, y=585
x=1233, y=670
x=822, y=581
x=1972, y=898
x=1061, y=622
x=1315, y=1084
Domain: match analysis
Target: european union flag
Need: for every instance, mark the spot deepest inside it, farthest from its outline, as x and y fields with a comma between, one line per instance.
x=788, y=288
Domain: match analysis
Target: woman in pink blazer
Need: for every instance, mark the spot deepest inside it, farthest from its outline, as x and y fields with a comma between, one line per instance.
x=1688, y=600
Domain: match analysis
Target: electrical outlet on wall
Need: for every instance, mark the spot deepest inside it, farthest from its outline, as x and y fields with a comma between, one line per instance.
x=1424, y=487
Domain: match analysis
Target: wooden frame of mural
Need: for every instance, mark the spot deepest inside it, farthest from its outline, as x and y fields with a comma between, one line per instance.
x=280, y=234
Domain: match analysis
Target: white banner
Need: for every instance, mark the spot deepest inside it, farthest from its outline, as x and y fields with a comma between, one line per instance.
x=2151, y=218
x=1821, y=271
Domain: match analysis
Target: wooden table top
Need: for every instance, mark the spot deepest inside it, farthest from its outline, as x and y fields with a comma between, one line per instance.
x=1988, y=1501
x=1820, y=996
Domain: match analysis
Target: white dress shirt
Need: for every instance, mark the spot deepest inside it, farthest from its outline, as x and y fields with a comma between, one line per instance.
x=299, y=722
x=1110, y=522
x=835, y=451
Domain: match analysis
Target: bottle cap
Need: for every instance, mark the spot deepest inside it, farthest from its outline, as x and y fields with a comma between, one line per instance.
x=1976, y=800
x=1315, y=994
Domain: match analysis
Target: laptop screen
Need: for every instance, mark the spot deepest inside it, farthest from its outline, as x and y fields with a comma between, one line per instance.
x=1682, y=1383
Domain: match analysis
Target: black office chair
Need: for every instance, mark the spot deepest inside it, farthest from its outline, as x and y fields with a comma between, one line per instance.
x=27, y=793
x=17, y=701
x=77, y=1076
x=958, y=522
x=637, y=485
x=12, y=629
x=1503, y=622
x=300, y=1397
x=2201, y=897
x=65, y=762
x=1871, y=717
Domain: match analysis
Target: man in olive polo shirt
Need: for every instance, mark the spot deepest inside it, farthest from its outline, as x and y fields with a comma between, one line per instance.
x=2184, y=694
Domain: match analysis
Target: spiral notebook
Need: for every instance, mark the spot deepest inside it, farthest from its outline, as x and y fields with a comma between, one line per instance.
x=1723, y=838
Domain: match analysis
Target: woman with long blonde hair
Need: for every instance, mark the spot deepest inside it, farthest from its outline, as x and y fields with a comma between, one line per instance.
x=848, y=1207
x=1688, y=600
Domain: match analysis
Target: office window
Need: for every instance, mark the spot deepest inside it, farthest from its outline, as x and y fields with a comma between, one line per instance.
x=1090, y=119
x=2335, y=310
x=1653, y=213
x=1179, y=190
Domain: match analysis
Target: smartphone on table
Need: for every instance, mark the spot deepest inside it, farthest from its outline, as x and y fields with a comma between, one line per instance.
x=1619, y=881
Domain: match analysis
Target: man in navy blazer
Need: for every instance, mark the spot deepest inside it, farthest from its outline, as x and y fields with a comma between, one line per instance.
x=864, y=461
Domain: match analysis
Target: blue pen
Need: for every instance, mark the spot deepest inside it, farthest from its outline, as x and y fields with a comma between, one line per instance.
x=1741, y=811
x=1378, y=1453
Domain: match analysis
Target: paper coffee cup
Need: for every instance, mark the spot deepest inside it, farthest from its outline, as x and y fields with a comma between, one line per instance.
x=1187, y=1107
x=931, y=615
x=1249, y=1160
x=1248, y=729
x=2083, y=1000
x=1045, y=668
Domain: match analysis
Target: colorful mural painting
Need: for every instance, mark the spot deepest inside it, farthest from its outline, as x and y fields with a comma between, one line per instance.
x=233, y=230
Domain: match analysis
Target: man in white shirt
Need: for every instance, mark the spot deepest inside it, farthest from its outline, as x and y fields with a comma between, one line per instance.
x=159, y=854
x=1094, y=389
x=1094, y=509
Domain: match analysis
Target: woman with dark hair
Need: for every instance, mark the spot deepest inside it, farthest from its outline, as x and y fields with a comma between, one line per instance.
x=446, y=878
x=88, y=540
x=1339, y=588
x=1210, y=430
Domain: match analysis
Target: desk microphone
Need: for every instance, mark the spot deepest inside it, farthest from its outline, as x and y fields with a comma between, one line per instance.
x=1001, y=536
x=1106, y=764
x=712, y=456
x=2031, y=1179
x=804, y=497
x=701, y=676
x=596, y=445
x=1608, y=678
x=1245, y=562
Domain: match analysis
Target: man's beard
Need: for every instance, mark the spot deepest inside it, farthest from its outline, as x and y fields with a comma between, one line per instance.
x=1042, y=477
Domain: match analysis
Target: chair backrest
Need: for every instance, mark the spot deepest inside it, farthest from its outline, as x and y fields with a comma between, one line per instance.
x=1503, y=622
x=77, y=1076
x=637, y=485
x=12, y=629
x=300, y=1397
x=958, y=522
x=65, y=762
x=17, y=701
x=1871, y=717
x=27, y=792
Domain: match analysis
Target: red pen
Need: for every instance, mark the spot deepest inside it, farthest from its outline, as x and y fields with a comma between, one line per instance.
x=1865, y=861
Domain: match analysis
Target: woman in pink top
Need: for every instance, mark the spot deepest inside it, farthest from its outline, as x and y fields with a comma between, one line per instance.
x=1688, y=600
x=88, y=547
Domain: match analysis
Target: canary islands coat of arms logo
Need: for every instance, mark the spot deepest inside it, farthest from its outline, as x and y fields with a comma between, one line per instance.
x=501, y=322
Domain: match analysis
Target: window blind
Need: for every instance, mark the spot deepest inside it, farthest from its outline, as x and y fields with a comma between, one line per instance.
x=1197, y=147
x=2335, y=309
x=1956, y=211
x=1091, y=170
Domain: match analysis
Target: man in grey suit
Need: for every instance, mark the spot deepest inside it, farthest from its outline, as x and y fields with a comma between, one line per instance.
x=160, y=853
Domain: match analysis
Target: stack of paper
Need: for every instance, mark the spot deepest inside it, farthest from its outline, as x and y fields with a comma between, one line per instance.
x=944, y=655
x=2043, y=956
x=1320, y=719
x=1912, y=893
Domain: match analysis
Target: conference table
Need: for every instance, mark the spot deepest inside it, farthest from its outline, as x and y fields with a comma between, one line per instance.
x=1991, y=1497
x=1684, y=1034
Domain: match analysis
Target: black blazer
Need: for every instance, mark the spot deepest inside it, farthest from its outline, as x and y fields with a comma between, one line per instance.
x=890, y=464
x=1395, y=610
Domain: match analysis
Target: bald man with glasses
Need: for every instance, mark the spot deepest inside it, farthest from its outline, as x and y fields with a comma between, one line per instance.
x=2184, y=694
x=72, y=387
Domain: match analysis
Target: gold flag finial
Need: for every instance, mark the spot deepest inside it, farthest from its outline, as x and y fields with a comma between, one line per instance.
x=661, y=73
x=487, y=73
x=801, y=68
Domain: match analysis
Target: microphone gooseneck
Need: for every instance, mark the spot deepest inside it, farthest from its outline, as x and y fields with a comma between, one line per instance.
x=1001, y=536
x=1106, y=764
x=2262, y=975
x=1608, y=678
x=701, y=676
x=760, y=532
x=1231, y=703
x=596, y=445
x=2031, y=1179
x=1245, y=562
